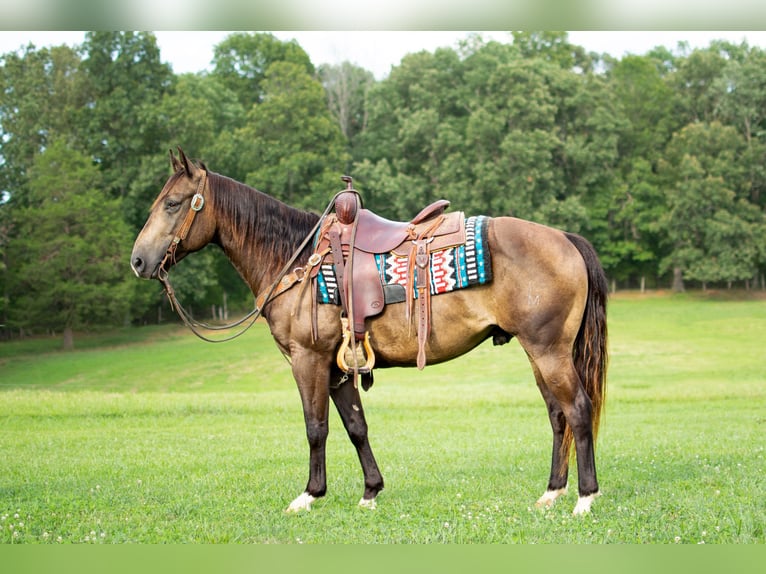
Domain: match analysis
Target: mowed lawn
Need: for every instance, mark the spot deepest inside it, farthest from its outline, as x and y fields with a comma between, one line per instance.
x=151, y=436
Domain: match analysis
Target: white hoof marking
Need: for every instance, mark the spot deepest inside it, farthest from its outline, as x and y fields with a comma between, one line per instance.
x=583, y=504
x=368, y=503
x=549, y=497
x=303, y=502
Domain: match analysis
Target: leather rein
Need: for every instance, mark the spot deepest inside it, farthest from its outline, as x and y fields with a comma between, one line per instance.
x=284, y=281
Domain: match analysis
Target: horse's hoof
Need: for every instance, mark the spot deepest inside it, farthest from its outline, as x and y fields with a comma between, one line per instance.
x=549, y=497
x=583, y=504
x=368, y=503
x=303, y=502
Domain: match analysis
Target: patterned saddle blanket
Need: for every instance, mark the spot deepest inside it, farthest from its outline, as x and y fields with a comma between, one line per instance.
x=452, y=268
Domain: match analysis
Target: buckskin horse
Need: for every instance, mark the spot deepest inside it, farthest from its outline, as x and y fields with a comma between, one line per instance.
x=548, y=290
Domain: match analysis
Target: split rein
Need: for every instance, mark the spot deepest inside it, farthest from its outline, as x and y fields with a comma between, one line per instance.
x=285, y=279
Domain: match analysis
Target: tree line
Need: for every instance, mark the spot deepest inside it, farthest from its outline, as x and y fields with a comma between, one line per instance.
x=658, y=159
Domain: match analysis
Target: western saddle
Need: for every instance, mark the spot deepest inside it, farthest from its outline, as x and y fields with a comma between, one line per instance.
x=350, y=238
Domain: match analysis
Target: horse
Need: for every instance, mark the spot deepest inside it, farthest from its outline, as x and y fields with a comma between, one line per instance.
x=549, y=291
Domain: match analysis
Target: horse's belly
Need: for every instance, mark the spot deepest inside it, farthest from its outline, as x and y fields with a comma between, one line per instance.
x=458, y=324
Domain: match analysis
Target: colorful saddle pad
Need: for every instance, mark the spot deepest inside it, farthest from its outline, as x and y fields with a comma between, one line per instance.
x=451, y=269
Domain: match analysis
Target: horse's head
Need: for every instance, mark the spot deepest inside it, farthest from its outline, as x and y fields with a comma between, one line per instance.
x=179, y=223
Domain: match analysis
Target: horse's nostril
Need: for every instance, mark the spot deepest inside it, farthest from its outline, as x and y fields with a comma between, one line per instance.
x=138, y=264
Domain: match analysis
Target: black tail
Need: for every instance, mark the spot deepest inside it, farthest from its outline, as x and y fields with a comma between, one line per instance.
x=590, y=349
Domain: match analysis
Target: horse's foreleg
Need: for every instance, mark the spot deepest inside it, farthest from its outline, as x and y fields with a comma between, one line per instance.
x=347, y=401
x=557, y=483
x=312, y=377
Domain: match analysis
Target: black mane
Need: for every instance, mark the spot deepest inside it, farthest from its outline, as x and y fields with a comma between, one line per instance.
x=259, y=223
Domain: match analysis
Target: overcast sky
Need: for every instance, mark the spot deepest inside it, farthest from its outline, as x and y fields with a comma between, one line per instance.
x=378, y=51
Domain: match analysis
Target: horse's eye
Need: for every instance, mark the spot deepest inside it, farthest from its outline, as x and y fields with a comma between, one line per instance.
x=172, y=204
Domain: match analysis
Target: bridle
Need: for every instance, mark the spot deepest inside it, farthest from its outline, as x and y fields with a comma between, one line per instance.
x=284, y=281
x=197, y=203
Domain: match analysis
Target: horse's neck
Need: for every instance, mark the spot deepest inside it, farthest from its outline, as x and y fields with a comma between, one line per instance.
x=258, y=233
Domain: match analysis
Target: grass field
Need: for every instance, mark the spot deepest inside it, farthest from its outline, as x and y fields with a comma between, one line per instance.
x=150, y=435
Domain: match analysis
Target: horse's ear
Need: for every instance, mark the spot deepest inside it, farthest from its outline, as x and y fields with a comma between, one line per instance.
x=174, y=163
x=184, y=162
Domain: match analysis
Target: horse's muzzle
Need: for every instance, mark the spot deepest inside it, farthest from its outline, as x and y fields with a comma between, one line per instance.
x=141, y=269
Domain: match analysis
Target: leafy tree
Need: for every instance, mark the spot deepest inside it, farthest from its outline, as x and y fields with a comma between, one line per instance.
x=710, y=232
x=346, y=86
x=295, y=150
x=635, y=206
x=645, y=101
x=5, y=227
x=416, y=121
x=241, y=61
x=41, y=92
x=554, y=47
x=743, y=105
x=194, y=114
x=70, y=254
x=121, y=122
x=694, y=84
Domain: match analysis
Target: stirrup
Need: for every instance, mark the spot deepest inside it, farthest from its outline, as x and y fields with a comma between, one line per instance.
x=365, y=356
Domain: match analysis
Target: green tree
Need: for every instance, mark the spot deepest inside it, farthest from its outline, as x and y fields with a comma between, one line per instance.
x=554, y=47
x=694, y=84
x=197, y=113
x=125, y=84
x=743, y=106
x=414, y=133
x=240, y=63
x=711, y=233
x=634, y=245
x=70, y=254
x=499, y=129
x=293, y=146
x=41, y=93
x=644, y=99
x=346, y=86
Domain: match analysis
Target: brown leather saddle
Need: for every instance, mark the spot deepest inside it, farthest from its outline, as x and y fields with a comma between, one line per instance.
x=352, y=236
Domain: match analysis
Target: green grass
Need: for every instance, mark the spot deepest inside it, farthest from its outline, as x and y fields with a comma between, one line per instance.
x=150, y=435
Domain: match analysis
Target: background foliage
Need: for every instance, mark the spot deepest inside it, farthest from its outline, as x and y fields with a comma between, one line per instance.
x=657, y=159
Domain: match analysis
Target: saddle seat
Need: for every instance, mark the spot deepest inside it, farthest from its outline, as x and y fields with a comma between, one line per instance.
x=376, y=234
x=352, y=236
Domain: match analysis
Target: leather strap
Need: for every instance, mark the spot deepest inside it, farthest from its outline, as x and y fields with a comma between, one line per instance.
x=423, y=284
x=295, y=276
x=339, y=264
x=197, y=203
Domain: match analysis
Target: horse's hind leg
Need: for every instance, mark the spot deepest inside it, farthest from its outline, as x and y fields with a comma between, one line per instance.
x=557, y=483
x=347, y=401
x=563, y=383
